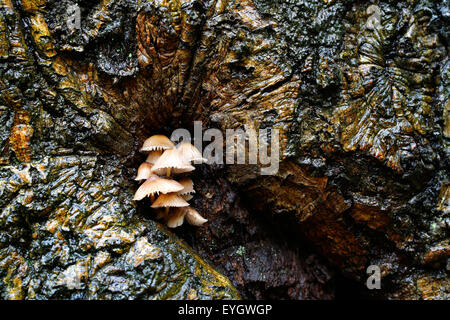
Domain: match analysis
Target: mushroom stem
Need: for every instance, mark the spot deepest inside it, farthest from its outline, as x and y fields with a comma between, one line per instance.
x=152, y=197
x=166, y=212
x=168, y=172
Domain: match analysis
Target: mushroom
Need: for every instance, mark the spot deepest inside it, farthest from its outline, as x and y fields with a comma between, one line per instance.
x=176, y=219
x=193, y=217
x=153, y=156
x=155, y=184
x=166, y=159
x=157, y=142
x=188, y=186
x=188, y=189
x=144, y=171
x=168, y=201
x=190, y=153
x=171, y=161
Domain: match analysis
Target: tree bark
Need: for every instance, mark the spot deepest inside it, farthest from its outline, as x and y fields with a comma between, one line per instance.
x=358, y=92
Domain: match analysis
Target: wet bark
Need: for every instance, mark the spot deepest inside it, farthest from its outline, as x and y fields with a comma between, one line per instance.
x=359, y=94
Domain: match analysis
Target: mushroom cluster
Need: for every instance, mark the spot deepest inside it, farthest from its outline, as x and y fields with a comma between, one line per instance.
x=168, y=196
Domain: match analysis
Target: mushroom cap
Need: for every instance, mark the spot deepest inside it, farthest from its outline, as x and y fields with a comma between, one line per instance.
x=169, y=200
x=157, y=142
x=190, y=153
x=176, y=218
x=193, y=217
x=144, y=171
x=155, y=184
x=153, y=156
x=188, y=186
x=171, y=159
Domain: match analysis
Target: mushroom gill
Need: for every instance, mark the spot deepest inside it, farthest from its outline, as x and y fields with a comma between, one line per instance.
x=157, y=142
x=154, y=185
x=187, y=196
x=169, y=200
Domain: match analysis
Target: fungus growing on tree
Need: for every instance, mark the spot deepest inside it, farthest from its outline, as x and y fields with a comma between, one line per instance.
x=188, y=186
x=157, y=142
x=171, y=162
x=188, y=189
x=153, y=156
x=144, y=171
x=154, y=185
x=167, y=201
x=176, y=219
x=193, y=217
x=164, y=159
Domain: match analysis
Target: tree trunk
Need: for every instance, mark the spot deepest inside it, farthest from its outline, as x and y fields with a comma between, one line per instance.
x=358, y=92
